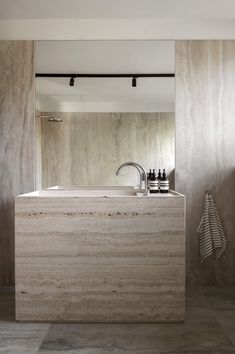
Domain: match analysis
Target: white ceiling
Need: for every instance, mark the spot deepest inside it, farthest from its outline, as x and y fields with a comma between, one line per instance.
x=151, y=94
x=80, y=9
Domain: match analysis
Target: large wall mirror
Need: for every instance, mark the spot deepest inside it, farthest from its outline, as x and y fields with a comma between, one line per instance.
x=87, y=127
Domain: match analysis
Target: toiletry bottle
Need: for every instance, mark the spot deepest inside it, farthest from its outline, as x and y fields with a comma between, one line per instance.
x=153, y=183
x=159, y=177
x=149, y=177
x=164, y=183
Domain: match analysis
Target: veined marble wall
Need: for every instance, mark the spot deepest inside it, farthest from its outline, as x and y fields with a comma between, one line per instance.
x=205, y=145
x=16, y=141
x=87, y=148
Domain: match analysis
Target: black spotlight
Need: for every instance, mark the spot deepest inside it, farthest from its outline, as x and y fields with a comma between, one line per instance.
x=71, y=82
x=134, y=82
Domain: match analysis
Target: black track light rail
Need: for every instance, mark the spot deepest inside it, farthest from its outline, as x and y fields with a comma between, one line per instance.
x=104, y=75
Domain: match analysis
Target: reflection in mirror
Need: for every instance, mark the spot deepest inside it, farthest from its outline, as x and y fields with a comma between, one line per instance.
x=86, y=127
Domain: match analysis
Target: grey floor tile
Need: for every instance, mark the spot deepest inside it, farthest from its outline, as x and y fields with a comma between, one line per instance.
x=193, y=336
x=201, y=333
x=17, y=338
x=209, y=329
x=226, y=318
x=21, y=338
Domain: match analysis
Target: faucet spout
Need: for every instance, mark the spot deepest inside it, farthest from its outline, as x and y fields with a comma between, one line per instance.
x=141, y=171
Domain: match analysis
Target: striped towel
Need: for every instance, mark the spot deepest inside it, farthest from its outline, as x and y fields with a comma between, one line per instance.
x=212, y=236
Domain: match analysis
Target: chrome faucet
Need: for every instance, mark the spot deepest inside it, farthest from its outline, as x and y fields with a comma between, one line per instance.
x=142, y=173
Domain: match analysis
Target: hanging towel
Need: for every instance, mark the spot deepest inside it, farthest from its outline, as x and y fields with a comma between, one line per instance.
x=212, y=237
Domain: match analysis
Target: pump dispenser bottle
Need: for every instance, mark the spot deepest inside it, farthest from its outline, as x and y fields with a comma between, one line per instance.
x=164, y=183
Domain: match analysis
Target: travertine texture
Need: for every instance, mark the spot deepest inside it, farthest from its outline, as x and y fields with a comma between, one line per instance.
x=87, y=148
x=100, y=258
x=205, y=145
x=38, y=152
x=16, y=141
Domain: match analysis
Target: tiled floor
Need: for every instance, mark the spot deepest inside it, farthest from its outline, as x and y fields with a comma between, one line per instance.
x=209, y=329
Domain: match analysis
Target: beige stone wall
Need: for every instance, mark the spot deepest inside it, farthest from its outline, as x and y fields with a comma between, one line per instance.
x=205, y=145
x=16, y=141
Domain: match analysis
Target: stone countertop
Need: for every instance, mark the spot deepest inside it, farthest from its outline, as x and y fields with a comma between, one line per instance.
x=100, y=193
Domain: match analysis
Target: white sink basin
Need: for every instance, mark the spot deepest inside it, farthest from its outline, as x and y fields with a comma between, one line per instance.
x=87, y=192
x=92, y=187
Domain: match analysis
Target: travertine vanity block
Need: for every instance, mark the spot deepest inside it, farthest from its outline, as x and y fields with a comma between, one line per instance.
x=95, y=258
